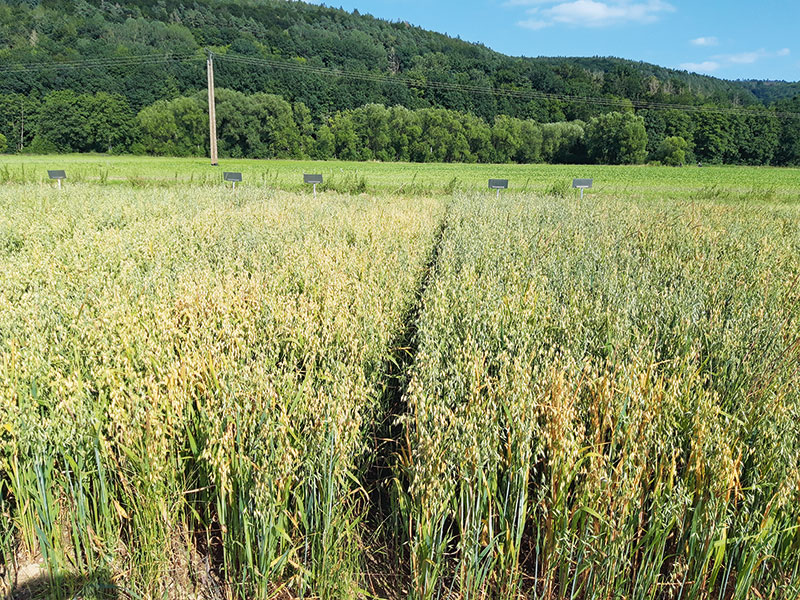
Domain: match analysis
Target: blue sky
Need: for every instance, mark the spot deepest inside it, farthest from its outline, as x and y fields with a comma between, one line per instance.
x=736, y=39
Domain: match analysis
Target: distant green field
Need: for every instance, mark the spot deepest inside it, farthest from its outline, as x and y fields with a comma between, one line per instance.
x=691, y=182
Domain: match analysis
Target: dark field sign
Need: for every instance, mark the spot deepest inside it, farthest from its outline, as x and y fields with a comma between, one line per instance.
x=231, y=176
x=582, y=184
x=498, y=184
x=57, y=174
x=312, y=178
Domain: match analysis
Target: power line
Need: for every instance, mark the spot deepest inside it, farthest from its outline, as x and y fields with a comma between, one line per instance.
x=157, y=59
x=474, y=89
x=117, y=61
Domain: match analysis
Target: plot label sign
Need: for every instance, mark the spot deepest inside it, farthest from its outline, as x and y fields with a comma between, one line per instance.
x=57, y=175
x=498, y=184
x=233, y=177
x=582, y=184
x=314, y=179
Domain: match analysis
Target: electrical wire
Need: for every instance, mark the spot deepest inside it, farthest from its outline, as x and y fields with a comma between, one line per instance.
x=284, y=65
x=473, y=89
x=119, y=61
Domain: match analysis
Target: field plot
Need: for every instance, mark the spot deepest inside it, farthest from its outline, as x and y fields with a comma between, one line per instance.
x=193, y=378
x=404, y=388
x=605, y=403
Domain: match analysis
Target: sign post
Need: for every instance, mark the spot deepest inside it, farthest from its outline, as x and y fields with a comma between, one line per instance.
x=233, y=177
x=581, y=184
x=498, y=184
x=313, y=179
x=58, y=175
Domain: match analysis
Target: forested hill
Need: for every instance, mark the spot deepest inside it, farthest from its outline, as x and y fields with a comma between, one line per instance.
x=81, y=75
x=770, y=92
x=49, y=31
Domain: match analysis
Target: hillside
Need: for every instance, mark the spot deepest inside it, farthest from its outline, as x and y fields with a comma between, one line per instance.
x=49, y=31
x=769, y=92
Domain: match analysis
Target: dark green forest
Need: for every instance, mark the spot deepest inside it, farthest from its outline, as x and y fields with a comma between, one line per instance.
x=299, y=80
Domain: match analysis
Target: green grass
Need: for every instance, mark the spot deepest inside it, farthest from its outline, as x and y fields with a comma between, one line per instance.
x=259, y=394
x=632, y=182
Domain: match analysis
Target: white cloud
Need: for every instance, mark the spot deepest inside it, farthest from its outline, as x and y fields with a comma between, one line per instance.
x=748, y=58
x=590, y=13
x=705, y=41
x=526, y=2
x=534, y=24
x=708, y=66
x=719, y=61
x=743, y=58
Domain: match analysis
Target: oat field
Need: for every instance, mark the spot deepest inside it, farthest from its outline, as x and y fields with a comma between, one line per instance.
x=404, y=388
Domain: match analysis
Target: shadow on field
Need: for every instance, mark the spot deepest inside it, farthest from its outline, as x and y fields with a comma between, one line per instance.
x=388, y=574
x=33, y=582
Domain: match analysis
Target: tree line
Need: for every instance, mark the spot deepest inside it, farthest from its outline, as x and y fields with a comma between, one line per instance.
x=261, y=125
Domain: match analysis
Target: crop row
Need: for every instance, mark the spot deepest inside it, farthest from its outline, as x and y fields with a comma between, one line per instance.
x=188, y=384
x=606, y=403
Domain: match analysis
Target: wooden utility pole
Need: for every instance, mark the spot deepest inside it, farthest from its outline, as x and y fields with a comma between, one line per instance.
x=212, y=111
x=22, y=125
